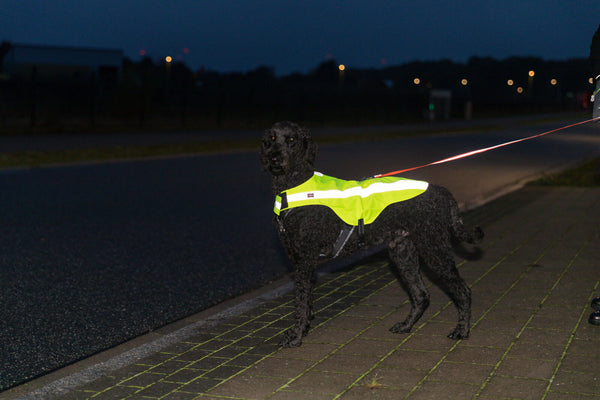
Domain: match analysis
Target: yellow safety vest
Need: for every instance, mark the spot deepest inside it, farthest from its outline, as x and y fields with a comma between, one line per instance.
x=352, y=201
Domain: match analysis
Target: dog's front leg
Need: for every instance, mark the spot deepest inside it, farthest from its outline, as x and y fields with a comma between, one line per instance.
x=303, y=306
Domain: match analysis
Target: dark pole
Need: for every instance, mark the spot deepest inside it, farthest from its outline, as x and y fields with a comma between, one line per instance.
x=33, y=98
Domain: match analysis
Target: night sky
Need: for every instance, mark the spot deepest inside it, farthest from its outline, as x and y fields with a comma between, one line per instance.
x=289, y=36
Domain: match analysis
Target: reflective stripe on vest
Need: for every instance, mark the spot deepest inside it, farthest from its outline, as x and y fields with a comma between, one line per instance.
x=350, y=200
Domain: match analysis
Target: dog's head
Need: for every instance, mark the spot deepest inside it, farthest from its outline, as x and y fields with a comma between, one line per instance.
x=287, y=148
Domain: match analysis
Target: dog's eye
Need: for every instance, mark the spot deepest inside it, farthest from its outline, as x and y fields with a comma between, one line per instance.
x=273, y=138
x=290, y=140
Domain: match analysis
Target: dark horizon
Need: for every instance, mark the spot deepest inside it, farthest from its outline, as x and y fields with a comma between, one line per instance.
x=291, y=37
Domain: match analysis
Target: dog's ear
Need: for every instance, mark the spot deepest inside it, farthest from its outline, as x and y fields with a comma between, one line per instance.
x=262, y=153
x=310, y=147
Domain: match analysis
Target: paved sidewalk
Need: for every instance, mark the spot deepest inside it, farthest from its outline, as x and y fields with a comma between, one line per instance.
x=530, y=337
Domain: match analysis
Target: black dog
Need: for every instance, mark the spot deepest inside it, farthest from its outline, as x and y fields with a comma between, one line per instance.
x=418, y=232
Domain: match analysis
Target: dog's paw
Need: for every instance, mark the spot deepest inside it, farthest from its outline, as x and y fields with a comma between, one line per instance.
x=292, y=338
x=400, y=327
x=460, y=332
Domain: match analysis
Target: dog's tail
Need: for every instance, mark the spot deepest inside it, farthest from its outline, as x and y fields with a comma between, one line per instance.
x=460, y=233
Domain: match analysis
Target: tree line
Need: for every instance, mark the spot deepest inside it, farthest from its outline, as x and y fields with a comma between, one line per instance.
x=150, y=95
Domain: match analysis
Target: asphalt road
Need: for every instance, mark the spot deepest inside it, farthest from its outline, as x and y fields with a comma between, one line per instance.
x=93, y=255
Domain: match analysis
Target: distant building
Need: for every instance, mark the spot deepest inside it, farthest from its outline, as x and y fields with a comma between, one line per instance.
x=55, y=63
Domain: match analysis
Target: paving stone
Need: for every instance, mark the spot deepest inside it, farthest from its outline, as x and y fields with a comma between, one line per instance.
x=569, y=396
x=347, y=363
x=368, y=347
x=200, y=385
x=192, y=355
x=517, y=388
x=208, y=363
x=214, y=345
x=489, y=339
x=180, y=396
x=428, y=342
x=545, y=336
x=158, y=390
x=112, y=393
x=127, y=372
x=320, y=382
x=223, y=372
x=248, y=387
x=440, y=390
x=379, y=331
x=473, y=374
x=308, y=351
x=577, y=382
x=587, y=348
x=499, y=325
x=261, y=334
x=325, y=335
x=183, y=376
x=229, y=352
x=587, y=331
x=370, y=312
x=577, y=363
x=476, y=355
x=244, y=360
x=536, y=351
x=417, y=359
x=264, y=349
x=280, y=367
x=292, y=395
x=155, y=359
x=393, y=378
x=168, y=367
x=376, y=393
x=143, y=380
x=560, y=317
x=349, y=323
x=526, y=368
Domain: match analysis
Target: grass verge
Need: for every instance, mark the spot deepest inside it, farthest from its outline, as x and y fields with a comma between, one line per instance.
x=35, y=159
x=585, y=174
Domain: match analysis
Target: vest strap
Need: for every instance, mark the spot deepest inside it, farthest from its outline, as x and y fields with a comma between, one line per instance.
x=361, y=230
x=342, y=239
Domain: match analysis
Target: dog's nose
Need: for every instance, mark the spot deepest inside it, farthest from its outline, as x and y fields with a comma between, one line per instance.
x=275, y=158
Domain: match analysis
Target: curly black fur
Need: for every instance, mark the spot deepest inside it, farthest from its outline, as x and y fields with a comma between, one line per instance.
x=418, y=233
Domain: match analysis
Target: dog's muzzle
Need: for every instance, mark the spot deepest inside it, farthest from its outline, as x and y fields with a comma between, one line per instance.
x=276, y=164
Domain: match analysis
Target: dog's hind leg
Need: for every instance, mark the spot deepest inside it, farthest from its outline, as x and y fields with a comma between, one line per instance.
x=405, y=257
x=446, y=276
x=303, y=307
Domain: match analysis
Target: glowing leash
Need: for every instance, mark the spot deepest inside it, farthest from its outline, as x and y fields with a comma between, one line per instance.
x=470, y=153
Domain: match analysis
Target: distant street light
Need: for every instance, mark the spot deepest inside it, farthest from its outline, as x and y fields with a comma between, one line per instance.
x=553, y=82
x=416, y=81
x=464, y=82
x=529, y=91
x=341, y=68
x=510, y=82
x=168, y=59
